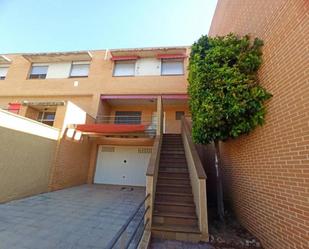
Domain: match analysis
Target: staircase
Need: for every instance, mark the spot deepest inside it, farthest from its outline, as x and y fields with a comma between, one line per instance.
x=174, y=215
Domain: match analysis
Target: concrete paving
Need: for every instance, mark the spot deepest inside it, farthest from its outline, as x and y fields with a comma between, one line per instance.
x=83, y=217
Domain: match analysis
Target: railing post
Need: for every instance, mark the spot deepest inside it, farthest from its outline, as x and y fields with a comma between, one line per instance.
x=160, y=116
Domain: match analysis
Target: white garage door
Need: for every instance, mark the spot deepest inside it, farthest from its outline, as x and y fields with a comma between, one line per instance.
x=122, y=165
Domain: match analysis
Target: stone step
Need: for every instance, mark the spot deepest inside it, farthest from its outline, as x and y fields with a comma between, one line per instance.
x=172, y=174
x=173, y=189
x=174, y=218
x=172, y=232
x=174, y=197
x=173, y=169
x=173, y=180
x=179, y=207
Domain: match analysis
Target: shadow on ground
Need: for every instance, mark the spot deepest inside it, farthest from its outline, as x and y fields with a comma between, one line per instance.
x=228, y=235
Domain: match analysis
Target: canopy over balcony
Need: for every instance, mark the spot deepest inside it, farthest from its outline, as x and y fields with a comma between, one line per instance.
x=112, y=128
x=179, y=52
x=58, y=57
x=4, y=60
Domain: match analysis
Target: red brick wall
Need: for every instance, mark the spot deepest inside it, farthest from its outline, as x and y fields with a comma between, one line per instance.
x=71, y=164
x=266, y=174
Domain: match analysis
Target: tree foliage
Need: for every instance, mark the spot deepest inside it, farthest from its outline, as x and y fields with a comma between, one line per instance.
x=226, y=99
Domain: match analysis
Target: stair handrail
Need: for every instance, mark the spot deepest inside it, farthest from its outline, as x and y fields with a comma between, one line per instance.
x=197, y=177
x=186, y=128
x=121, y=232
x=152, y=175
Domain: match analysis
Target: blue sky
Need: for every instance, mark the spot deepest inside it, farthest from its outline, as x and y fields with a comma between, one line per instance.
x=68, y=25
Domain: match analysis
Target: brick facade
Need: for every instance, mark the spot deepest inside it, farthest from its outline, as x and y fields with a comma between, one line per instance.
x=266, y=174
x=71, y=164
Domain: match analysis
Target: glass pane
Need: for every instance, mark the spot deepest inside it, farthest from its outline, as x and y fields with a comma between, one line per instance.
x=179, y=114
x=80, y=70
x=49, y=116
x=124, y=68
x=39, y=69
x=128, y=117
x=40, y=116
x=172, y=67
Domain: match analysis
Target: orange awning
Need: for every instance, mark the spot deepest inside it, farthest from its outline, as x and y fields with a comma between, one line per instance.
x=111, y=128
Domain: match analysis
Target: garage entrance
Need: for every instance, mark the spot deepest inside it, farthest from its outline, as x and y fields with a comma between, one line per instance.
x=122, y=165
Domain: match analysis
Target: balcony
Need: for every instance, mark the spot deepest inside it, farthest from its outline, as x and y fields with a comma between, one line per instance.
x=134, y=125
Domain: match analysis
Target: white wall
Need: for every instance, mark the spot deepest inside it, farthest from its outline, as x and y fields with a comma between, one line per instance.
x=16, y=122
x=147, y=66
x=58, y=70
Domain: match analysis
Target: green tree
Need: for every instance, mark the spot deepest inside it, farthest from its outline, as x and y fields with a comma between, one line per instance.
x=226, y=99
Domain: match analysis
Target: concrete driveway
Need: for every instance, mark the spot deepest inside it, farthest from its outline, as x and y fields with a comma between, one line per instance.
x=81, y=217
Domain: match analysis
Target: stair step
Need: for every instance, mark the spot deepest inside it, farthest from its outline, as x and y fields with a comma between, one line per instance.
x=173, y=158
x=173, y=185
x=173, y=164
x=173, y=203
x=173, y=197
x=184, y=229
x=173, y=218
x=172, y=232
x=175, y=194
x=173, y=178
x=175, y=142
x=172, y=152
x=167, y=173
x=171, y=189
x=179, y=207
x=173, y=170
x=171, y=181
x=176, y=215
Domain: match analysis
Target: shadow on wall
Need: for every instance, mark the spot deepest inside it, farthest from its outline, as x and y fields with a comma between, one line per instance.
x=26, y=150
x=207, y=156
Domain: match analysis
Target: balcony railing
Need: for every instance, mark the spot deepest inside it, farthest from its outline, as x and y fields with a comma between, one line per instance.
x=149, y=121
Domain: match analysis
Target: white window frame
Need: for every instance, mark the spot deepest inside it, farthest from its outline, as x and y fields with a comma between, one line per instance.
x=86, y=63
x=3, y=77
x=172, y=60
x=44, y=120
x=38, y=65
x=124, y=62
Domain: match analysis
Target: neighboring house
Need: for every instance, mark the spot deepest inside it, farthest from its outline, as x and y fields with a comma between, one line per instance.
x=114, y=110
x=266, y=172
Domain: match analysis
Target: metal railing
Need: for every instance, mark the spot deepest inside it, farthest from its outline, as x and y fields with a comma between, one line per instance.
x=150, y=121
x=121, y=240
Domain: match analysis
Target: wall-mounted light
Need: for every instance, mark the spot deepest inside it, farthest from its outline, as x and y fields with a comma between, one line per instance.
x=75, y=83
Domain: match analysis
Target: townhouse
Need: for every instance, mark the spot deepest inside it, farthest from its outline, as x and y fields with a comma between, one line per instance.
x=120, y=115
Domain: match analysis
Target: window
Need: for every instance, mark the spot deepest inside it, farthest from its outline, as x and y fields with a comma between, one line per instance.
x=3, y=72
x=124, y=68
x=128, y=117
x=172, y=67
x=38, y=72
x=79, y=69
x=179, y=114
x=46, y=118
